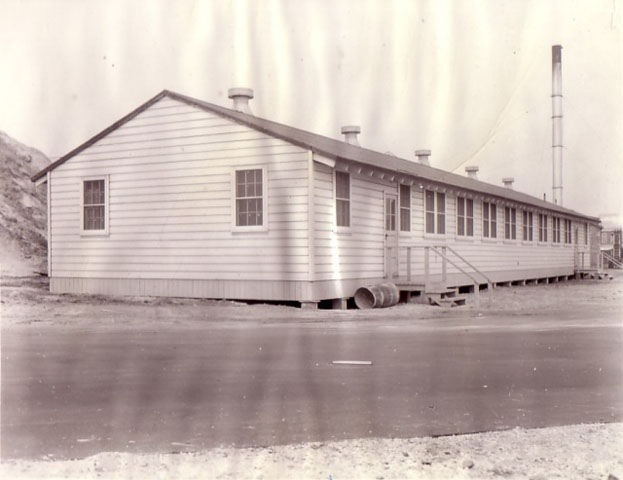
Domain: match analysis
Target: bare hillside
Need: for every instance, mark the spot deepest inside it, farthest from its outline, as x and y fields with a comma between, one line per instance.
x=22, y=209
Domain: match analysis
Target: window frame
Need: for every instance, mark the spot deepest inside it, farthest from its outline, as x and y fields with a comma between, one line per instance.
x=510, y=223
x=391, y=217
x=527, y=226
x=556, y=230
x=344, y=228
x=464, y=220
x=492, y=220
x=234, y=204
x=543, y=233
x=437, y=214
x=106, y=229
x=406, y=208
x=568, y=231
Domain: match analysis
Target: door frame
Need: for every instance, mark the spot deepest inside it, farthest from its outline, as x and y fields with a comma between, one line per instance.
x=391, y=242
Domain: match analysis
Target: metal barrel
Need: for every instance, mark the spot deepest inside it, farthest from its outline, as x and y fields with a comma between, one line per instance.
x=383, y=295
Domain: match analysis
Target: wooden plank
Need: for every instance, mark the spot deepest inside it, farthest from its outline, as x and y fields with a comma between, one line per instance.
x=352, y=362
x=311, y=216
x=185, y=275
x=195, y=288
x=182, y=155
x=243, y=261
x=49, y=221
x=281, y=167
x=223, y=133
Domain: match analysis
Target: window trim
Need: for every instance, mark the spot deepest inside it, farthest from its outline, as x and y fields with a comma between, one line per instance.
x=345, y=228
x=556, y=233
x=387, y=215
x=568, y=231
x=527, y=226
x=510, y=223
x=464, y=218
x=401, y=207
x=106, y=230
x=436, y=214
x=249, y=228
x=543, y=227
x=490, y=220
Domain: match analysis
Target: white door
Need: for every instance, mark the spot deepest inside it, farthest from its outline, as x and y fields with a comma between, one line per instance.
x=391, y=235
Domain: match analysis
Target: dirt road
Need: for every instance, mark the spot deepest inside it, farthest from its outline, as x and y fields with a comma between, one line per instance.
x=81, y=375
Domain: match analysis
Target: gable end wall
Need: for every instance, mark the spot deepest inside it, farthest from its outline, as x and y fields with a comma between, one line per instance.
x=170, y=176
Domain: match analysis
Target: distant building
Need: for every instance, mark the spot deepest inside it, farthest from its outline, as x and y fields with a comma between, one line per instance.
x=186, y=198
x=611, y=247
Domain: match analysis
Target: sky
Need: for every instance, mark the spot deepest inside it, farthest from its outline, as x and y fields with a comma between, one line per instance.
x=468, y=79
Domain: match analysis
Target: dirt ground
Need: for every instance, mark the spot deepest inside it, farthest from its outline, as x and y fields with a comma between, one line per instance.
x=26, y=300
x=588, y=452
x=576, y=451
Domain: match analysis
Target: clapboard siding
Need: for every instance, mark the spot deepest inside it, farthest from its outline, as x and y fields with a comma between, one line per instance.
x=170, y=209
x=356, y=252
x=188, y=287
x=493, y=257
x=359, y=251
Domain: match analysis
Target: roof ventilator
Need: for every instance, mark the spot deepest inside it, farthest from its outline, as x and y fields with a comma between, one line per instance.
x=241, y=97
x=422, y=156
x=472, y=171
x=350, y=134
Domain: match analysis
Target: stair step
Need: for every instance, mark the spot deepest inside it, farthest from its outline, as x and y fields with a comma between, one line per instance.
x=448, y=302
x=441, y=291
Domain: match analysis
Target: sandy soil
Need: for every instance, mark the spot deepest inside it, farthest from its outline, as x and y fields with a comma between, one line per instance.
x=572, y=452
x=569, y=452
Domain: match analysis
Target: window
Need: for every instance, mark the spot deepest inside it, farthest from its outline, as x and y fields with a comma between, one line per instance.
x=250, y=198
x=405, y=208
x=510, y=223
x=489, y=220
x=94, y=209
x=390, y=213
x=556, y=229
x=567, y=235
x=542, y=227
x=435, y=212
x=342, y=199
x=586, y=234
x=464, y=217
x=527, y=226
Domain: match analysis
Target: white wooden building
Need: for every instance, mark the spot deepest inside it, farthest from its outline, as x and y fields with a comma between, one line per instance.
x=190, y=199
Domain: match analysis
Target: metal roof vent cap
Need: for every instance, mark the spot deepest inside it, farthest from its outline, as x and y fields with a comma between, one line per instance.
x=350, y=134
x=508, y=182
x=472, y=171
x=422, y=156
x=241, y=97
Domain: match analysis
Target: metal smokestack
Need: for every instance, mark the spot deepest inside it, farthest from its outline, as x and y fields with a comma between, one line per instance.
x=557, y=123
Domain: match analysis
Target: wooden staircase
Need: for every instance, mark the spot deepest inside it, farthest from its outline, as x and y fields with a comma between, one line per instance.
x=434, y=292
x=442, y=296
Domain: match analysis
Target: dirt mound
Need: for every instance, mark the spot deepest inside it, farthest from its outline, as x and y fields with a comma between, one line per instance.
x=23, y=221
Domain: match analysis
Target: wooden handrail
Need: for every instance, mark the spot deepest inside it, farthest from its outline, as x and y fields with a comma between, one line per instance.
x=442, y=251
x=445, y=256
x=442, y=255
x=611, y=259
x=469, y=264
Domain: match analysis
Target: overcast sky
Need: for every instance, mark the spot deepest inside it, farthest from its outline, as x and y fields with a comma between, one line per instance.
x=469, y=79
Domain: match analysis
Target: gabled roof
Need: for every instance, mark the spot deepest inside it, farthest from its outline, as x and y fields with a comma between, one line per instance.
x=334, y=149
